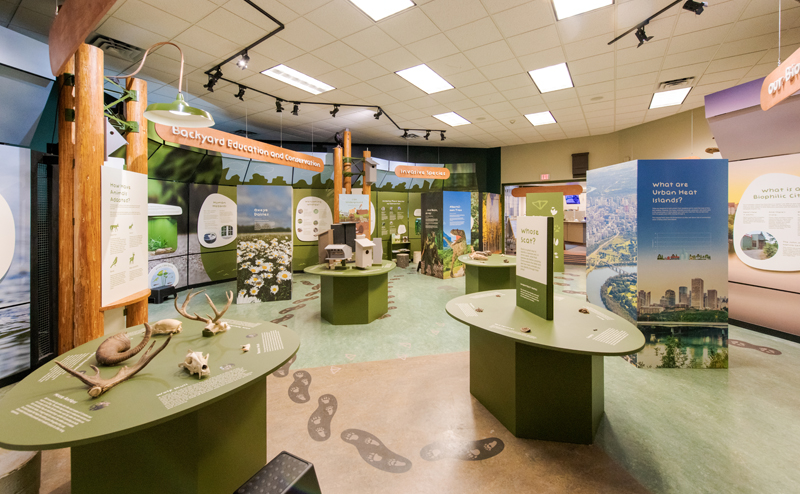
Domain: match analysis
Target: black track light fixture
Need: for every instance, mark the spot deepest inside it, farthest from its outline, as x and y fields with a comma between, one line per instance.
x=278, y=106
x=696, y=7
x=240, y=94
x=212, y=80
x=642, y=36
x=335, y=111
x=296, y=110
x=378, y=115
x=242, y=63
x=405, y=134
x=443, y=137
x=427, y=134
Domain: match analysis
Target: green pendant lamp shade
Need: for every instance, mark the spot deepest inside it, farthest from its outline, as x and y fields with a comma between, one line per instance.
x=179, y=114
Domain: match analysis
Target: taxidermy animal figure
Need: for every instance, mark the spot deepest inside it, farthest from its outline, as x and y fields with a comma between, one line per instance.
x=100, y=385
x=195, y=363
x=213, y=325
x=117, y=348
x=167, y=326
x=459, y=246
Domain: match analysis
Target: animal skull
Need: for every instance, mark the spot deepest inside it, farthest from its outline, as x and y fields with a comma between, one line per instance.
x=246, y=348
x=167, y=326
x=195, y=363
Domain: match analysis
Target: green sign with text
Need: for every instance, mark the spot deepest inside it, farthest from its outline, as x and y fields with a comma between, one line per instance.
x=535, y=265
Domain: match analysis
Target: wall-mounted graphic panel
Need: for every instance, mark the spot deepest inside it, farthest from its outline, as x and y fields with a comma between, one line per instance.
x=491, y=224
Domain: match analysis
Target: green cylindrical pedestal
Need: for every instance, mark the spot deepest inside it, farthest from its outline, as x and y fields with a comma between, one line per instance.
x=351, y=295
x=492, y=274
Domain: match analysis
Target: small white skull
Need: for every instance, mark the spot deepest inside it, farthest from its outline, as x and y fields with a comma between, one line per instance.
x=167, y=326
x=246, y=348
x=195, y=363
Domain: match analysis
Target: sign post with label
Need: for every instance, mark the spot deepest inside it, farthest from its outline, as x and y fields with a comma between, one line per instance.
x=535, y=265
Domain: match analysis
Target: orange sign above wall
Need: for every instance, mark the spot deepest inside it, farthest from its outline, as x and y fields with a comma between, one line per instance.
x=427, y=172
x=223, y=142
x=781, y=82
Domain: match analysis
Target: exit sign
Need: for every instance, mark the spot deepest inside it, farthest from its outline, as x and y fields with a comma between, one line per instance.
x=545, y=176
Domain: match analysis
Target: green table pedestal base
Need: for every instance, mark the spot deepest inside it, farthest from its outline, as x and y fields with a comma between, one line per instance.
x=212, y=450
x=354, y=300
x=534, y=392
x=480, y=279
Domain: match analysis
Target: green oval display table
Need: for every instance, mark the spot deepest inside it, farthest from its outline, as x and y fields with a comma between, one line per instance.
x=491, y=274
x=162, y=430
x=546, y=384
x=351, y=295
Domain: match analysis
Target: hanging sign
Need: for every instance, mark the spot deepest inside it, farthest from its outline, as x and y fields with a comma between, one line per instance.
x=428, y=172
x=223, y=142
x=782, y=82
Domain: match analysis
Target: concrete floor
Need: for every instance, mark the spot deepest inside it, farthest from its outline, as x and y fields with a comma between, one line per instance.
x=403, y=380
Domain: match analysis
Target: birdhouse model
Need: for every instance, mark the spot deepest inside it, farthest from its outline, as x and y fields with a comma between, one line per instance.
x=337, y=253
x=364, y=250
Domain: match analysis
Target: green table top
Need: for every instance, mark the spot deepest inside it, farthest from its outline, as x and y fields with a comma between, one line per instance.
x=494, y=261
x=50, y=409
x=598, y=333
x=351, y=271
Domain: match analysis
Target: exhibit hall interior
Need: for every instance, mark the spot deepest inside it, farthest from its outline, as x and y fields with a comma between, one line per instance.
x=399, y=246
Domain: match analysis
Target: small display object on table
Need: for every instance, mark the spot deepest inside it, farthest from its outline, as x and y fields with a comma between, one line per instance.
x=338, y=254
x=377, y=251
x=364, y=252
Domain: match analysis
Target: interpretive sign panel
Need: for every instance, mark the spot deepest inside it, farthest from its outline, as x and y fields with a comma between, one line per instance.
x=124, y=227
x=550, y=204
x=535, y=265
x=356, y=208
x=312, y=216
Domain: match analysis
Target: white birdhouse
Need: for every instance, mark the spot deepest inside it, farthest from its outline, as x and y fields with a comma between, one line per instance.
x=338, y=252
x=364, y=250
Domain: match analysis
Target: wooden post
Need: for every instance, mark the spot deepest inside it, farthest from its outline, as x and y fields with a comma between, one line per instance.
x=89, y=151
x=136, y=161
x=66, y=195
x=366, y=189
x=348, y=180
x=337, y=181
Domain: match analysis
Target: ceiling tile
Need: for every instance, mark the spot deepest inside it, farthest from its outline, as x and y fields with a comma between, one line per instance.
x=702, y=55
x=305, y=6
x=371, y=41
x=397, y=59
x=275, y=8
x=207, y=42
x=632, y=69
x=737, y=62
x=590, y=47
x=304, y=34
x=544, y=58
x=389, y=82
x=533, y=41
x=188, y=10
x=148, y=17
x=428, y=49
x=234, y=28
x=512, y=82
x=637, y=80
x=338, y=54
x=590, y=78
x=592, y=64
x=521, y=92
x=726, y=75
x=127, y=32
x=340, y=18
x=488, y=99
x=310, y=65
x=588, y=25
x=365, y=70
x=475, y=34
x=409, y=26
x=502, y=69
x=448, y=14
x=524, y=18
x=489, y=54
x=648, y=51
x=450, y=65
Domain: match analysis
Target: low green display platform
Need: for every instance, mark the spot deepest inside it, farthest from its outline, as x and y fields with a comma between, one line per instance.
x=546, y=384
x=351, y=295
x=163, y=430
x=491, y=274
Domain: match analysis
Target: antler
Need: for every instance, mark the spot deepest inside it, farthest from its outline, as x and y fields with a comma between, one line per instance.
x=100, y=385
x=218, y=315
x=195, y=317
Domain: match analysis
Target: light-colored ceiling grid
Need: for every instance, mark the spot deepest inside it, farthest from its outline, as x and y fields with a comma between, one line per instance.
x=482, y=47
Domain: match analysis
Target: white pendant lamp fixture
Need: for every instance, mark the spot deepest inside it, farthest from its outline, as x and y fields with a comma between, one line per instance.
x=178, y=113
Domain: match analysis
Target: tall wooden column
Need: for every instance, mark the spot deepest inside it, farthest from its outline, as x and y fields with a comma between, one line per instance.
x=89, y=151
x=366, y=189
x=337, y=181
x=348, y=180
x=66, y=195
x=136, y=161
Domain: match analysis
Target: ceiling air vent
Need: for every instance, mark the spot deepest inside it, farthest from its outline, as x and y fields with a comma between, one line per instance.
x=244, y=133
x=118, y=49
x=676, y=83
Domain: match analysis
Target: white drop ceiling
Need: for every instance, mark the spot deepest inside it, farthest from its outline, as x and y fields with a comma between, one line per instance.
x=484, y=48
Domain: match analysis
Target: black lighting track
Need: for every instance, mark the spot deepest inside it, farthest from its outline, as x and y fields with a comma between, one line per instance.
x=644, y=22
x=272, y=33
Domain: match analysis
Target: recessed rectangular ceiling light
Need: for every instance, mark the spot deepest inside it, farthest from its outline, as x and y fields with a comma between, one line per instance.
x=552, y=78
x=669, y=98
x=568, y=8
x=425, y=78
x=297, y=79
x=379, y=9
x=452, y=119
x=541, y=118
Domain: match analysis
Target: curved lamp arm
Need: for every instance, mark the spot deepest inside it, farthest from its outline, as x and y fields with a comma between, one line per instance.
x=141, y=64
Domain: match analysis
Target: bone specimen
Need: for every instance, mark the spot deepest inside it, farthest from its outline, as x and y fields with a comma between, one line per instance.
x=213, y=325
x=195, y=363
x=167, y=326
x=117, y=348
x=100, y=385
x=246, y=348
x=583, y=310
x=478, y=256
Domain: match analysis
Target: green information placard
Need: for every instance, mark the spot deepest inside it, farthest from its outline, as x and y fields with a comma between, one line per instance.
x=535, y=265
x=550, y=204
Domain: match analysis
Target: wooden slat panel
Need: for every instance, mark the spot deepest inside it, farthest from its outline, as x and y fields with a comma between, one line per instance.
x=66, y=195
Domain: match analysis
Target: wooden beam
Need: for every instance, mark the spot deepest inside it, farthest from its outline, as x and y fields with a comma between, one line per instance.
x=348, y=180
x=366, y=189
x=89, y=154
x=136, y=161
x=567, y=190
x=76, y=19
x=66, y=195
x=337, y=181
